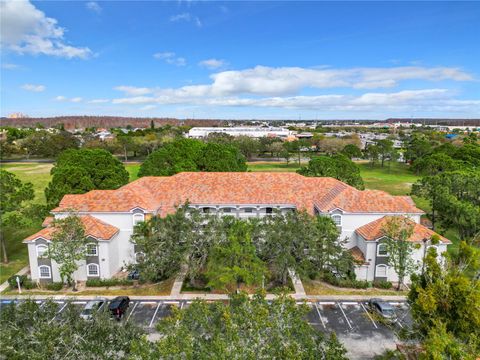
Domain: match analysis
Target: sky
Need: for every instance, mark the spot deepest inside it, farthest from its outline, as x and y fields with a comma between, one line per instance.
x=241, y=60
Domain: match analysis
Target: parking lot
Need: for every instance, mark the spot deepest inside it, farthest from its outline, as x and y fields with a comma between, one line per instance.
x=361, y=332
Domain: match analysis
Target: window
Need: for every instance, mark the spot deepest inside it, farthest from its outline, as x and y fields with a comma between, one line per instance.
x=382, y=250
x=269, y=210
x=337, y=219
x=41, y=250
x=138, y=218
x=92, y=249
x=227, y=210
x=381, y=271
x=248, y=210
x=44, y=272
x=92, y=270
x=139, y=257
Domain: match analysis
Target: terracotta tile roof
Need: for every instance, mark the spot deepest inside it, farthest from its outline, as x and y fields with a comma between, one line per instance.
x=358, y=255
x=48, y=221
x=93, y=227
x=374, y=230
x=164, y=193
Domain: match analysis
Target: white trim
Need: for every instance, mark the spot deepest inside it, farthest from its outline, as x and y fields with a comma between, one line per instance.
x=40, y=272
x=378, y=250
x=41, y=245
x=96, y=249
x=96, y=266
x=381, y=266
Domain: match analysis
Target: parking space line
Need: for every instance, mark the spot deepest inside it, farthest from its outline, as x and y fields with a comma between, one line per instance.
x=399, y=323
x=181, y=305
x=79, y=302
x=58, y=313
x=170, y=302
x=131, y=312
x=326, y=302
x=349, y=303
x=369, y=316
x=155, y=314
x=320, y=316
x=345, y=316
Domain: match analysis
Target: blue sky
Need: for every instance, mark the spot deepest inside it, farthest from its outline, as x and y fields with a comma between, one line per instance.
x=286, y=60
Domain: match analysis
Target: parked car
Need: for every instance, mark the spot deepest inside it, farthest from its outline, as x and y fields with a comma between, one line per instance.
x=133, y=275
x=119, y=306
x=383, y=308
x=93, y=306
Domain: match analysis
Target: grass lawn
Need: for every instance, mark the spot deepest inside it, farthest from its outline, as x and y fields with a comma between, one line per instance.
x=397, y=180
x=267, y=166
x=158, y=289
x=314, y=287
x=132, y=169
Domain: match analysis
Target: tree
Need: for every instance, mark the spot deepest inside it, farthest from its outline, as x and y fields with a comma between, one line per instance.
x=444, y=304
x=385, y=149
x=247, y=145
x=435, y=163
x=398, y=231
x=217, y=157
x=28, y=332
x=242, y=329
x=235, y=261
x=455, y=200
x=337, y=166
x=192, y=155
x=68, y=246
x=13, y=195
x=352, y=151
x=372, y=152
x=47, y=144
x=79, y=171
x=164, y=241
x=417, y=147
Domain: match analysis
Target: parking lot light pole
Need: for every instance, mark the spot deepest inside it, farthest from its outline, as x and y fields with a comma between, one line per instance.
x=424, y=240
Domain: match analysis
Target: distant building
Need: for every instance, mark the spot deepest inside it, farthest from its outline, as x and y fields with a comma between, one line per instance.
x=17, y=115
x=255, y=132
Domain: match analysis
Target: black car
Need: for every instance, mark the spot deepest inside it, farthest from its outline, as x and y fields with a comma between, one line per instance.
x=119, y=306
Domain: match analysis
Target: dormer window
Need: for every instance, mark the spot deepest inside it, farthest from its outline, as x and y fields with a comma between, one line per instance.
x=337, y=219
x=138, y=218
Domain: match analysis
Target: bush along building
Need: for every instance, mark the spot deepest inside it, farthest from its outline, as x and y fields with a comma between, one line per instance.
x=109, y=217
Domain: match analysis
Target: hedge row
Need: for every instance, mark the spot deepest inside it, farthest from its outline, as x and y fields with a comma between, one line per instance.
x=346, y=283
x=108, y=282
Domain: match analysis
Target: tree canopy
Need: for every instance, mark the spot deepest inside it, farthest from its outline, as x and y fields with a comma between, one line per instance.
x=242, y=329
x=79, y=171
x=337, y=166
x=192, y=155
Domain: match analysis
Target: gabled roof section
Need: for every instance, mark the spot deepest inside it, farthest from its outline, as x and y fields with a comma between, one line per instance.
x=93, y=227
x=163, y=194
x=374, y=230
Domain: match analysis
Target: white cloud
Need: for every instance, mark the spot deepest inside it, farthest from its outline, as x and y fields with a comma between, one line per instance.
x=10, y=66
x=186, y=17
x=133, y=91
x=148, y=107
x=34, y=88
x=212, y=63
x=99, y=101
x=65, y=99
x=26, y=30
x=170, y=58
x=93, y=6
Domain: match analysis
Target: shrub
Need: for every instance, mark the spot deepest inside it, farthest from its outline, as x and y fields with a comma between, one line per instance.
x=54, y=286
x=29, y=284
x=108, y=282
x=346, y=283
x=382, y=284
x=12, y=280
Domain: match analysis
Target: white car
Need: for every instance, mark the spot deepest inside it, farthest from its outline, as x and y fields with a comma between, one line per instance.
x=93, y=306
